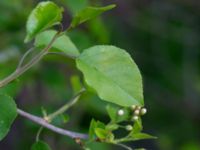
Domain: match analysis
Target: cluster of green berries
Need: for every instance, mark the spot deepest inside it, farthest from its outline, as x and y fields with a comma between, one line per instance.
x=137, y=112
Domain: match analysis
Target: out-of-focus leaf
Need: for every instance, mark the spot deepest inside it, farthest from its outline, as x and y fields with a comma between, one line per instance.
x=113, y=74
x=76, y=84
x=62, y=43
x=88, y=13
x=40, y=146
x=76, y=5
x=45, y=15
x=8, y=113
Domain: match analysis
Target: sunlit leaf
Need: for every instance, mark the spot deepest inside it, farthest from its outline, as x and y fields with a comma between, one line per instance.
x=45, y=15
x=113, y=74
x=8, y=113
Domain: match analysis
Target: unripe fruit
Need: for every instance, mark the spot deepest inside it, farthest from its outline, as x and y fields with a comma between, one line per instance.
x=120, y=112
x=137, y=112
x=143, y=111
x=135, y=118
x=129, y=128
x=133, y=107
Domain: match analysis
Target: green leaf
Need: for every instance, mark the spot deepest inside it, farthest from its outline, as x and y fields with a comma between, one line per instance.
x=113, y=114
x=93, y=125
x=88, y=13
x=141, y=136
x=40, y=146
x=62, y=43
x=104, y=134
x=76, y=5
x=137, y=127
x=101, y=133
x=8, y=113
x=112, y=127
x=113, y=74
x=45, y=15
x=91, y=129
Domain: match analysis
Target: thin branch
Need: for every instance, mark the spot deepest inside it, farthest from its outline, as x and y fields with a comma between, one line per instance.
x=24, y=56
x=31, y=63
x=45, y=124
x=65, y=107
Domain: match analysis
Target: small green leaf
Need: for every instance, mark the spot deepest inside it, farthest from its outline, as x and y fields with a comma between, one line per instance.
x=88, y=13
x=62, y=43
x=101, y=133
x=141, y=136
x=8, y=113
x=113, y=74
x=137, y=127
x=93, y=125
x=113, y=114
x=40, y=146
x=104, y=134
x=91, y=129
x=112, y=127
x=45, y=15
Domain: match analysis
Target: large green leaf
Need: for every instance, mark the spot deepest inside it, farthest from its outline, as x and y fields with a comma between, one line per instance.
x=62, y=43
x=88, y=13
x=40, y=146
x=113, y=74
x=8, y=113
x=45, y=15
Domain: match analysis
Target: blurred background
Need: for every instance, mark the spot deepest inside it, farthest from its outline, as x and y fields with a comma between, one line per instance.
x=162, y=37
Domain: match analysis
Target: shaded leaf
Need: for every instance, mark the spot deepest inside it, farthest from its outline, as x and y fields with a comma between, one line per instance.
x=40, y=146
x=62, y=43
x=8, y=113
x=88, y=13
x=113, y=74
x=45, y=15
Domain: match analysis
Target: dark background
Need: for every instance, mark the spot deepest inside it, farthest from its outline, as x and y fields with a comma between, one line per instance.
x=162, y=37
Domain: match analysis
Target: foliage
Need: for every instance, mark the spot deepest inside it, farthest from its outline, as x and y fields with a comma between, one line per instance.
x=108, y=71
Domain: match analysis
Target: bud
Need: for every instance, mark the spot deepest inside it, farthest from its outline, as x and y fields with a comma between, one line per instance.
x=135, y=118
x=137, y=112
x=120, y=112
x=129, y=128
x=138, y=107
x=143, y=111
x=133, y=107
